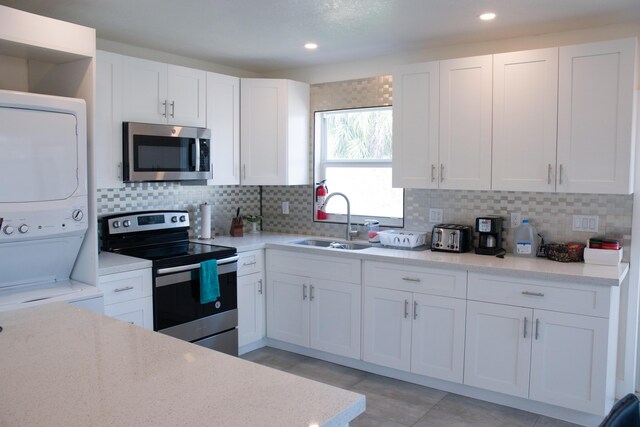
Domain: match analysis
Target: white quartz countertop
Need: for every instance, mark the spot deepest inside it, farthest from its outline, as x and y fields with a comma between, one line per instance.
x=65, y=366
x=110, y=263
x=534, y=268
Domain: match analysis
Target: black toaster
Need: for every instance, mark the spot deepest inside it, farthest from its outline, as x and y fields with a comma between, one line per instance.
x=452, y=238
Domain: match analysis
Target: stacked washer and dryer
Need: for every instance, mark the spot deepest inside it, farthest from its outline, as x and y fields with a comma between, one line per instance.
x=43, y=200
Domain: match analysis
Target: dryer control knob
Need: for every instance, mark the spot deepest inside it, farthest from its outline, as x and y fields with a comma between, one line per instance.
x=8, y=230
x=77, y=215
x=23, y=228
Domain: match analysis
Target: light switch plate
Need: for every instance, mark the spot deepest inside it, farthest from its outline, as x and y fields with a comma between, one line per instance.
x=285, y=208
x=516, y=219
x=588, y=223
x=436, y=215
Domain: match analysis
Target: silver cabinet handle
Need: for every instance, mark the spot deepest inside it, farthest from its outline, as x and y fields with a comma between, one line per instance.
x=164, y=104
x=433, y=173
x=411, y=279
x=244, y=171
x=560, y=175
x=304, y=292
x=311, y=293
x=415, y=310
x=533, y=294
x=537, y=327
x=524, y=335
x=441, y=172
x=126, y=288
x=406, y=308
x=173, y=109
x=260, y=286
x=245, y=264
x=549, y=174
x=119, y=170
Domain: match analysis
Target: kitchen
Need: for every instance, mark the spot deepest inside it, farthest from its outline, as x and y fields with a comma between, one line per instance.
x=550, y=211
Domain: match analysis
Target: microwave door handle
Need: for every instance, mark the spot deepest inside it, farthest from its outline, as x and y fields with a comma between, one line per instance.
x=197, y=154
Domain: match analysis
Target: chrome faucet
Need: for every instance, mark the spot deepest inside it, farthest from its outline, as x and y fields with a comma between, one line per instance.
x=350, y=232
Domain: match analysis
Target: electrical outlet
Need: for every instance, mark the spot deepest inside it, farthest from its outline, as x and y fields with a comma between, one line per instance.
x=516, y=219
x=285, y=208
x=436, y=215
x=588, y=223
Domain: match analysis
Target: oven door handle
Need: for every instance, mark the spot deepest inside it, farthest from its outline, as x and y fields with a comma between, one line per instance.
x=194, y=266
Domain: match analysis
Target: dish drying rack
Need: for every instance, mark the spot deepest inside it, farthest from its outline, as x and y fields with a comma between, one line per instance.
x=403, y=239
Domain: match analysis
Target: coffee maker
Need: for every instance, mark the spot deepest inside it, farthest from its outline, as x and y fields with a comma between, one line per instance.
x=489, y=230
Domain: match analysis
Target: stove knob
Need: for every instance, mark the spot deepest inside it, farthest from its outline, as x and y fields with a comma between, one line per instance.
x=8, y=230
x=174, y=219
x=23, y=228
x=126, y=223
x=182, y=218
x=116, y=224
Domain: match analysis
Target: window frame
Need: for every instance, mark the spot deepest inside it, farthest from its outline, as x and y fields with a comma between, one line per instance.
x=320, y=163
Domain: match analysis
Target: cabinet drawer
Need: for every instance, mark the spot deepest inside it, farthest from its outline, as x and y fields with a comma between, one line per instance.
x=590, y=300
x=250, y=262
x=316, y=266
x=125, y=286
x=425, y=280
x=138, y=312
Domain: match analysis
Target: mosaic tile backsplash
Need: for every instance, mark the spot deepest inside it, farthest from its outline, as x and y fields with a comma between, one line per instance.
x=551, y=213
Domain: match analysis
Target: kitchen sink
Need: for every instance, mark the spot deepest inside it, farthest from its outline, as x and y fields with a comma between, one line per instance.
x=333, y=244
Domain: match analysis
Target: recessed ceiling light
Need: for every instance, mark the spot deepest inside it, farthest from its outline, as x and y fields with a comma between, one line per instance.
x=487, y=16
x=311, y=46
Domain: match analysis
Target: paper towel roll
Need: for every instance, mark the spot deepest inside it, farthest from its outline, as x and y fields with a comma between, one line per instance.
x=205, y=221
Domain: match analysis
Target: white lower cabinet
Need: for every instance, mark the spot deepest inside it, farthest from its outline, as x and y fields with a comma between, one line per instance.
x=127, y=296
x=561, y=358
x=411, y=330
x=314, y=310
x=251, y=297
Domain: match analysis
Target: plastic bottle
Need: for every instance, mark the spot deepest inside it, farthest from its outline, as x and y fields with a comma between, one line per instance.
x=524, y=240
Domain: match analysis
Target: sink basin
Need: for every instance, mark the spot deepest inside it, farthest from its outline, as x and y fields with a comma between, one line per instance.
x=333, y=244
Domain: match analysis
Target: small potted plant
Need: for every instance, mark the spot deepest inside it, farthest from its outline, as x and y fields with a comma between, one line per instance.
x=254, y=220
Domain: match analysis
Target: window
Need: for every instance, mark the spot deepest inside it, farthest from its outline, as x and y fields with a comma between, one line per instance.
x=353, y=154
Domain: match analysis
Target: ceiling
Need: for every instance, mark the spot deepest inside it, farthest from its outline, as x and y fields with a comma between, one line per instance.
x=268, y=35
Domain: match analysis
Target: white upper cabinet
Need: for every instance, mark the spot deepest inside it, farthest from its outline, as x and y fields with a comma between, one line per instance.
x=155, y=92
x=596, y=117
x=223, y=118
x=415, y=125
x=525, y=93
x=274, y=122
x=108, y=123
x=465, y=123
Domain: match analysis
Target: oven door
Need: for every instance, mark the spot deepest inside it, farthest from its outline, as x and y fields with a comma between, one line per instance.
x=176, y=302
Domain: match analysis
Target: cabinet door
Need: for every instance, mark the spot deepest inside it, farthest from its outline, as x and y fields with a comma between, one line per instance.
x=186, y=96
x=465, y=123
x=108, y=123
x=498, y=348
x=525, y=94
x=595, y=117
x=288, y=308
x=223, y=118
x=415, y=125
x=334, y=310
x=263, y=127
x=138, y=312
x=437, y=343
x=144, y=91
x=251, y=309
x=569, y=361
x=387, y=328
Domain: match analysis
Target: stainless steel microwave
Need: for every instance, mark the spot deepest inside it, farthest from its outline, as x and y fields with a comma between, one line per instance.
x=152, y=152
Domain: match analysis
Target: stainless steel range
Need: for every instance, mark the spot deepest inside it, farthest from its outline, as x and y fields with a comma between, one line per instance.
x=163, y=238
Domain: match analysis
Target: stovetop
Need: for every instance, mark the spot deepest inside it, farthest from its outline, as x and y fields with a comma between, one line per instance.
x=179, y=253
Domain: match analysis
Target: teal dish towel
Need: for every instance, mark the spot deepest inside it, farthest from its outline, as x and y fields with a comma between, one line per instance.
x=209, y=284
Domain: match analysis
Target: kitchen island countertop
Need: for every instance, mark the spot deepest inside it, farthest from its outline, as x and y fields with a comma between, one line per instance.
x=63, y=365
x=533, y=268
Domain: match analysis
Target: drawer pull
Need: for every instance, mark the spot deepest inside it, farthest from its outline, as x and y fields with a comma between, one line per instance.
x=411, y=279
x=524, y=335
x=126, y=288
x=533, y=294
x=246, y=264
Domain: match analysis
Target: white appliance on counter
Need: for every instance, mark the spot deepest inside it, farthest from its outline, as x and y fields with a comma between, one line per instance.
x=43, y=200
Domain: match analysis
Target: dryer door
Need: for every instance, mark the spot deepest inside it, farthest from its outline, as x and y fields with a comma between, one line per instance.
x=38, y=155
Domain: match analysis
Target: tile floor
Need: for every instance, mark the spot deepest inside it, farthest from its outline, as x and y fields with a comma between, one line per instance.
x=394, y=403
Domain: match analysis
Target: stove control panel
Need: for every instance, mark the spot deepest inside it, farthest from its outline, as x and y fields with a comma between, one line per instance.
x=147, y=221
